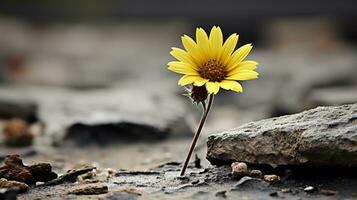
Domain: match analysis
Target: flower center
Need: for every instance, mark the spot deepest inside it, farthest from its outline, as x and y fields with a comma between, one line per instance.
x=213, y=71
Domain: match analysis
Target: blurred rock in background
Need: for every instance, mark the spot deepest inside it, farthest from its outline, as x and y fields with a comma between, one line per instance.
x=301, y=59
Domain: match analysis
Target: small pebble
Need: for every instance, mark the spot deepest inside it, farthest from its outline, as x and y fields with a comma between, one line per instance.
x=83, y=178
x=239, y=169
x=256, y=173
x=272, y=178
x=309, y=189
x=285, y=190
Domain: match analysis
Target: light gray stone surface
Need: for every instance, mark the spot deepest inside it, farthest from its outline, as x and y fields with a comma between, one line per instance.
x=324, y=136
x=138, y=110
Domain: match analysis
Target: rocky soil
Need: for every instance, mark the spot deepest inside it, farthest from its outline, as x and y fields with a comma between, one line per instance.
x=163, y=182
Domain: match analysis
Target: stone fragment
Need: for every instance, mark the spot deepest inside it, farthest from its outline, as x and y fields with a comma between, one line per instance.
x=42, y=172
x=239, y=169
x=271, y=178
x=324, y=136
x=17, y=133
x=105, y=174
x=89, y=189
x=310, y=189
x=14, y=169
x=87, y=177
x=70, y=176
x=256, y=173
x=13, y=185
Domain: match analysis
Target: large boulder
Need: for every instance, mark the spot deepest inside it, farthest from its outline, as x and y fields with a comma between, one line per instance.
x=324, y=136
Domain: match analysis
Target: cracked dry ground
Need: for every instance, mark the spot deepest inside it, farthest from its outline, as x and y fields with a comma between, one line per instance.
x=162, y=182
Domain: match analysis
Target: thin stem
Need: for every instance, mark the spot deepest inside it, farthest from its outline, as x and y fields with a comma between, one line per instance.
x=196, y=136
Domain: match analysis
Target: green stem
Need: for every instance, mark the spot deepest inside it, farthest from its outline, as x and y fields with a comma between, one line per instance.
x=196, y=136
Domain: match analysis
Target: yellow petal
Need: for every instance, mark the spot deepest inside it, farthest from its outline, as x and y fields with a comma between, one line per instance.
x=203, y=43
x=239, y=55
x=192, y=48
x=200, y=81
x=182, y=56
x=245, y=65
x=216, y=40
x=182, y=68
x=231, y=85
x=228, y=48
x=187, y=79
x=180, y=64
x=212, y=87
x=243, y=75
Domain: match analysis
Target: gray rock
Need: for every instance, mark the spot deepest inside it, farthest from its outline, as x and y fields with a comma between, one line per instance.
x=324, y=136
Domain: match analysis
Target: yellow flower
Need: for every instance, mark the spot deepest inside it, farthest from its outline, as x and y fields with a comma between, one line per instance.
x=212, y=63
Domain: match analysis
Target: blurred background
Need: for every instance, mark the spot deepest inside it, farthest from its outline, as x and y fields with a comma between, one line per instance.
x=95, y=63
